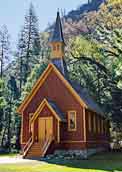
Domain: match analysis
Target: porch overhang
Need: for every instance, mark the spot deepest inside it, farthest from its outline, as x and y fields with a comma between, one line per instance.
x=52, y=107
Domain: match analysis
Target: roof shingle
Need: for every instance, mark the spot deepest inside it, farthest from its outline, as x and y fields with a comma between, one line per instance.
x=57, y=35
x=57, y=110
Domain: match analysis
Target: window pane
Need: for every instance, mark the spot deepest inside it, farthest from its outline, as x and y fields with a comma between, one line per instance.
x=72, y=120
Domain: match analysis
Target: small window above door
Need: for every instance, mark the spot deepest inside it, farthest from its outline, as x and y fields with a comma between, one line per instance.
x=71, y=120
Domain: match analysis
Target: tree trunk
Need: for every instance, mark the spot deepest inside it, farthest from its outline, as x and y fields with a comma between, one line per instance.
x=18, y=137
x=3, y=136
x=28, y=47
x=21, y=73
x=1, y=67
x=98, y=86
x=9, y=126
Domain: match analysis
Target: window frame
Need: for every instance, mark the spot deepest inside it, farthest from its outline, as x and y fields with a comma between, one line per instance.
x=69, y=128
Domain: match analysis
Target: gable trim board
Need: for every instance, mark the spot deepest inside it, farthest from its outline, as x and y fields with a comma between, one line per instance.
x=39, y=83
x=21, y=133
x=35, y=88
x=39, y=109
x=84, y=124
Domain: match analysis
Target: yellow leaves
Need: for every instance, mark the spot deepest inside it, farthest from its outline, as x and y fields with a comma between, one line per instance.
x=114, y=2
x=80, y=46
x=110, y=14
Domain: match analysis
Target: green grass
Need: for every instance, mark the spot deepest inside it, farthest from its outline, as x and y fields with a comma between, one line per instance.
x=8, y=155
x=106, y=162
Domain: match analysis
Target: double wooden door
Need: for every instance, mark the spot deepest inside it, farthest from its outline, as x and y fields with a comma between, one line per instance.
x=45, y=128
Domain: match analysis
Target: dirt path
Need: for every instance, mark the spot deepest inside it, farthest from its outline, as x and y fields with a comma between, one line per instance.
x=17, y=160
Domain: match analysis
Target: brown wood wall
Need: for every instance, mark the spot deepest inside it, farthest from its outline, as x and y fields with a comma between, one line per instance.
x=97, y=136
x=54, y=89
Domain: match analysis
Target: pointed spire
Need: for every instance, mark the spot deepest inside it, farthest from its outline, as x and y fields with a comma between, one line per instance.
x=57, y=45
x=58, y=33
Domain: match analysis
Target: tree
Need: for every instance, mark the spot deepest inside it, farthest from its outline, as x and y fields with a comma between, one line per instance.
x=45, y=50
x=108, y=33
x=4, y=48
x=21, y=47
x=13, y=95
x=97, y=65
x=28, y=46
x=2, y=106
x=35, y=74
x=87, y=67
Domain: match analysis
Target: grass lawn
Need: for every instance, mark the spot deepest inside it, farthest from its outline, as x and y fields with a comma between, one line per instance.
x=8, y=155
x=105, y=162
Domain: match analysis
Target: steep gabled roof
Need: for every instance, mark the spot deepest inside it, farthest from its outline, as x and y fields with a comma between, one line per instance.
x=41, y=80
x=79, y=93
x=85, y=96
x=57, y=109
x=58, y=33
x=89, y=101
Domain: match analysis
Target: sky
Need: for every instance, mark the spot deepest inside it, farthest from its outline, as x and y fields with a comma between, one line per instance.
x=12, y=13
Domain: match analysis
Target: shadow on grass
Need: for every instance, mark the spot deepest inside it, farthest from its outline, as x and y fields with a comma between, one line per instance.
x=104, y=161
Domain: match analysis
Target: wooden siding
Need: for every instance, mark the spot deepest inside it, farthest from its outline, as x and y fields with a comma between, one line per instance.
x=96, y=137
x=54, y=89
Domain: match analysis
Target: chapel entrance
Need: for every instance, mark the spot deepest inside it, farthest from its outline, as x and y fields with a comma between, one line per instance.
x=45, y=128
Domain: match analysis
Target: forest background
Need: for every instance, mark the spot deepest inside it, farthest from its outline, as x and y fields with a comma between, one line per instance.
x=93, y=36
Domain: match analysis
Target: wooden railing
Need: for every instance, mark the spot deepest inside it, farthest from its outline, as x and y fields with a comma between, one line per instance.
x=47, y=144
x=27, y=146
x=43, y=145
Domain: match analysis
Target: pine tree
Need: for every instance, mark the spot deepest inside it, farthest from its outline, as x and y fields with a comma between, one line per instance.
x=4, y=48
x=13, y=94
x=29, y=45
x=21, y=55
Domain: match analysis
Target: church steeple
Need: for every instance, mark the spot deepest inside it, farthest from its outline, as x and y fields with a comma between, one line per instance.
x=57, y=45
x=57, y=40
x=58, y=33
